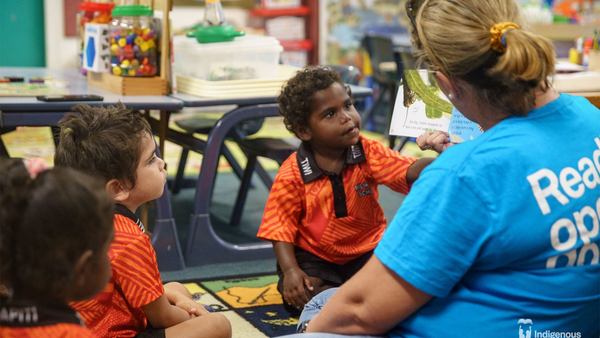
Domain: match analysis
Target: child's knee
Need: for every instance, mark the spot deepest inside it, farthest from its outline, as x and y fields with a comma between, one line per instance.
x=220, y=324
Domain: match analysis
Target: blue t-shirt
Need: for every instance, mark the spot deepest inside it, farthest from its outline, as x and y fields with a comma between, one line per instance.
x=503, y=230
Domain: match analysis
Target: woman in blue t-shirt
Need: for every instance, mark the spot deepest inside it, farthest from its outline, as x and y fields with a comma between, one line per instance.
x=500, y=235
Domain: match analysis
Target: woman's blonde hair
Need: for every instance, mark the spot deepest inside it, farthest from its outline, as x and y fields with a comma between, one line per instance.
x=454, y=38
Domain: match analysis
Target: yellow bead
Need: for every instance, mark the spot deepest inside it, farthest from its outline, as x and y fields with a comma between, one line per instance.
x=146, y=30
x=131, y=72
x=138, y=40
x=144, y=46
x=151, y=43
x=122, y=42
x=125, y=63
x=114, y=47
x=116, y=70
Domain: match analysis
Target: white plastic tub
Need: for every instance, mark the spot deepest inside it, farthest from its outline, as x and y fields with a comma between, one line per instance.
x=246, y=57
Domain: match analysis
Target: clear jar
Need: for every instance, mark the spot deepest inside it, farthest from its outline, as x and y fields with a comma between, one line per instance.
x=89, y=12
x=133, y=41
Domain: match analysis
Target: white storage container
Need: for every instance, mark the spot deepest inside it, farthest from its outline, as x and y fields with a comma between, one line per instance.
x=246, y=57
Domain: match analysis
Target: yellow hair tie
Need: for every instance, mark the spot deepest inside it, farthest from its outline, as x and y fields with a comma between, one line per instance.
x=498, y=32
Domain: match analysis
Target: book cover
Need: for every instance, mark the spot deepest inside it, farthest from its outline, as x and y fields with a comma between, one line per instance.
x=422, y=107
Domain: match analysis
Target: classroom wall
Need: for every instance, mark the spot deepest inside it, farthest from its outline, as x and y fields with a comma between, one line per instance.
x=22, y=33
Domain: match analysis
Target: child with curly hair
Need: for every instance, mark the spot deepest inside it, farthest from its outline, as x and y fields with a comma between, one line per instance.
x=322, y=214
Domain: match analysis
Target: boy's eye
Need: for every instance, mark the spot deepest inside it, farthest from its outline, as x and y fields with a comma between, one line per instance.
x=329, y=114
x=152, y=160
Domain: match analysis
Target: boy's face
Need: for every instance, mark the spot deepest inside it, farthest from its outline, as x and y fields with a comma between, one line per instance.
x=151, y=174
x=334, y=122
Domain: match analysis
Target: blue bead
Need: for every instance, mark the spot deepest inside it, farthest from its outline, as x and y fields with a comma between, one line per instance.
x=117, y=37
x=129, y=39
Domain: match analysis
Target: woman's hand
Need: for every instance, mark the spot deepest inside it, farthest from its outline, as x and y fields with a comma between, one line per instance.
x=295, y=285
x=437, y=141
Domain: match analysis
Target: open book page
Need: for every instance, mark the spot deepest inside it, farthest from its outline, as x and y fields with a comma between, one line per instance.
x=462, y=129
x=422, y=107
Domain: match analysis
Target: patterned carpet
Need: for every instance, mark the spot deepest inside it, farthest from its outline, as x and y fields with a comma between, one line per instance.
x=252, y=304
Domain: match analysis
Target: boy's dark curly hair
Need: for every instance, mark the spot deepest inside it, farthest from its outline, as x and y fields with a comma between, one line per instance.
x=297, y=95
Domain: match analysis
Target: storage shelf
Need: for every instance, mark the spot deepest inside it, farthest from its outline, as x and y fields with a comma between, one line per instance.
x=298, y=11
x=296, y=44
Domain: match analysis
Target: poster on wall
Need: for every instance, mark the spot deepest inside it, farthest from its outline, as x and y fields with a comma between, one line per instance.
x=344, y=23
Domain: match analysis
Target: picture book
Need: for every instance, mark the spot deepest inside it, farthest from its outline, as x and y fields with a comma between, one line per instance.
x=422, y=107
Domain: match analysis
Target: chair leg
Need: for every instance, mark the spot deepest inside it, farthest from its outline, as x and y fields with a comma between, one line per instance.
x=264, y=175
x=236, y=216
x=180, y=171
x=367, y=114
x=237, y=169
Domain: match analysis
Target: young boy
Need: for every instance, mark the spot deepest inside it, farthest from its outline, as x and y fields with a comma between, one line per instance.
x=322, y=214
x=56, y=228
x=116, y=144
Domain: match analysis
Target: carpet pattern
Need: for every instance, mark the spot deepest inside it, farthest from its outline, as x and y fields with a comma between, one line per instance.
x=251, y=303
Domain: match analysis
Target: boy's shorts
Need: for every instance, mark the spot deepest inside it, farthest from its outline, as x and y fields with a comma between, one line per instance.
x=151, y=332
x=333, y=274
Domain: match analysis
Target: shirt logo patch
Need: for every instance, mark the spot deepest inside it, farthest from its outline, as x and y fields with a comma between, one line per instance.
x=306, y=169
x=355, y=151
x=363, y=189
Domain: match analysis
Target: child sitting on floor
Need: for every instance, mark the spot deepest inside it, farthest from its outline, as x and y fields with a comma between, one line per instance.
x=56, y=230
x=116, y=144
x=322, y=214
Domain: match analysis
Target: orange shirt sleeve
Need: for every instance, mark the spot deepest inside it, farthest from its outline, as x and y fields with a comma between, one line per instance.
x=387, y=167
x=136, y=272
x=284, y=205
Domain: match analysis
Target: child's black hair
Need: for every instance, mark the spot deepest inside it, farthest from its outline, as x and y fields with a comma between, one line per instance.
x=102, y=141
x=297, y=95
x=46, y=224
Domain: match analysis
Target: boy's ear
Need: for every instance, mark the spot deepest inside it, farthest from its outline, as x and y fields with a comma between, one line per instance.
x=304, y=133
x=82, y=267
x=117, y=191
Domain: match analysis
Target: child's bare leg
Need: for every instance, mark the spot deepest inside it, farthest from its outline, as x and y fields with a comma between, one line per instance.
x=211, y=325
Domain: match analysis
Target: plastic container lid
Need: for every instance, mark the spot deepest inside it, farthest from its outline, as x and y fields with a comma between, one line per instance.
x=215, y=34
x=133, y=10
x=89, y=6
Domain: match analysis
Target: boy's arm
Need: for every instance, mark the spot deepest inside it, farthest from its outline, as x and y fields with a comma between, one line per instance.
x=161, y=314
x=415, y=169
x=294, y=279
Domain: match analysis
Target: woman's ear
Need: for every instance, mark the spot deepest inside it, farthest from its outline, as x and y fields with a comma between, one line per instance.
x=304, y=133
x=117, y=191
x=447, y=86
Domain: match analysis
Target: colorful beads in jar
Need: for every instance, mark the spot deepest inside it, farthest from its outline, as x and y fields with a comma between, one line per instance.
x=133, y=41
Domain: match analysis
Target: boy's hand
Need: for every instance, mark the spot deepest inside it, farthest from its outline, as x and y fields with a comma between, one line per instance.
x=438, y=141
x=294, y=292
x=193, y=308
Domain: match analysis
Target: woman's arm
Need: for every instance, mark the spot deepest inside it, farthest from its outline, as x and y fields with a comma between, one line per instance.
x=372, y=302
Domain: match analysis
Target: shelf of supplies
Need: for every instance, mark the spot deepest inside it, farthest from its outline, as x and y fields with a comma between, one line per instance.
x=296, y=44
x=264, y=12
x=564, y=32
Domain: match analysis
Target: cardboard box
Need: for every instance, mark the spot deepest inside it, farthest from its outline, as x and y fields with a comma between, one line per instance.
x=96, y=47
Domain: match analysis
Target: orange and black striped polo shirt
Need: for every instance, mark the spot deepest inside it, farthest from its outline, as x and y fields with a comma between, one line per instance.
x=134, y=282
x=336, y=217
x=28, y=319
